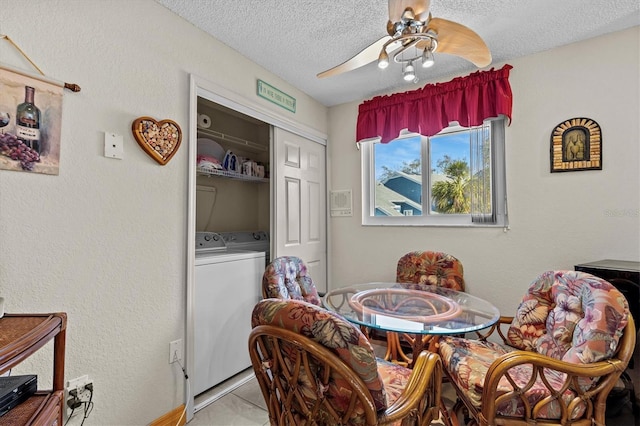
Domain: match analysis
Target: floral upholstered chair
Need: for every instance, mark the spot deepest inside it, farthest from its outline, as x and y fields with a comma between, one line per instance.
x=316, y=368
x=430, y=268
x=286, y=278
x=571, y=338
x=423, y=268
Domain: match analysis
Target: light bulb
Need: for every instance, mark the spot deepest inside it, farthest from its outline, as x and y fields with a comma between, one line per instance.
x=383, y=59
x=409, y=73
x=427, y=58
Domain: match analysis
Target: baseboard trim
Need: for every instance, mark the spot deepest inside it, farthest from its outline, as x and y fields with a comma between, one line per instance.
x=171, y=418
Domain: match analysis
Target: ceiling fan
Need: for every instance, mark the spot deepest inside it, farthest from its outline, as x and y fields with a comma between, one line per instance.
x=413, y=38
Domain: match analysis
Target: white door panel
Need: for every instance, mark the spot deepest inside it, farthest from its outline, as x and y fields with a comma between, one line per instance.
x=293, y=213
x=314, y=212
x=300, y=203
x=292, y=156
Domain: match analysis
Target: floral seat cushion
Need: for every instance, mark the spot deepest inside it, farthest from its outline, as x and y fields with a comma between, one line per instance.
x=467, y=362
x=567, y=315
x=394, y=379
x=430, y=268
x=286, y=278
x=385, y=381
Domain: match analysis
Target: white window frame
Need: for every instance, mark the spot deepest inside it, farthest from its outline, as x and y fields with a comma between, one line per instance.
x=426, y=219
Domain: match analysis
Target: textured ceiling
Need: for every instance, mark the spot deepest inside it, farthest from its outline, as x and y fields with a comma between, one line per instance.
x=296, y=39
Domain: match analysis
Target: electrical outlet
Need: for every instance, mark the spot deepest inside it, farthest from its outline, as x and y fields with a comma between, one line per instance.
x=80, y=393
x=84, y=394
x=175, y=351
x=78, y=384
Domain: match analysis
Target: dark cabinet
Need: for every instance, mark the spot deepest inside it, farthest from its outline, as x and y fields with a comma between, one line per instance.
x=624, y=275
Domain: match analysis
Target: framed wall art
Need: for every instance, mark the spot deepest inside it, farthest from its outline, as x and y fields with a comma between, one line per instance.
x=30, y=118
x=30, y=122
x=576, y=144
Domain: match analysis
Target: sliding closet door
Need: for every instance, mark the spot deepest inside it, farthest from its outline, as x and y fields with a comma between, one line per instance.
x=300, y=203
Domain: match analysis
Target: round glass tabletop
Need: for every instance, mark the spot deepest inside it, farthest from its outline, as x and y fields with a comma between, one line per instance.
x=411, y=308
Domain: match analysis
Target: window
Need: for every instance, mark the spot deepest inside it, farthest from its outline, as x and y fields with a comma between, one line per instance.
x=454, y=178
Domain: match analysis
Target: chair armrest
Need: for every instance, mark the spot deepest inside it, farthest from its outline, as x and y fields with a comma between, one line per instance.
x=422, y=393
x=497, y=327
x=509, y=360
x=603, y=373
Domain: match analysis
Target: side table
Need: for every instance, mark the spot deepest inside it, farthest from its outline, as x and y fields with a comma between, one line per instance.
x=21, y=335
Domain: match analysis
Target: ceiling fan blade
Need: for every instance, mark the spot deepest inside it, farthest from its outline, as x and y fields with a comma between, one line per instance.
x=368, y=55
x=397, y=8
x=456, y=39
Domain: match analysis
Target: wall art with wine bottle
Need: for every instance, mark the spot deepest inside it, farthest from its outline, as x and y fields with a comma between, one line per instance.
x=30, y=123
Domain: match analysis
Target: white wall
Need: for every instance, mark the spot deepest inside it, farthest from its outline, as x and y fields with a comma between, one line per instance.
x=105, y=240
x=557, y=220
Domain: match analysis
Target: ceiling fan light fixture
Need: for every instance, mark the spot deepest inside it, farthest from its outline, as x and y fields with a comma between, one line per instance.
x=414, y=37
x=427, y=58
x=383, y=59
x=409, y=72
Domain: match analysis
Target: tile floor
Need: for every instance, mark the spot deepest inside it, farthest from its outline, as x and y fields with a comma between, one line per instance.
x=245, y=406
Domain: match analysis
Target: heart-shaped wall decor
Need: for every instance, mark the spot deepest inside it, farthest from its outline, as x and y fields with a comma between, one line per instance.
x=159, y=139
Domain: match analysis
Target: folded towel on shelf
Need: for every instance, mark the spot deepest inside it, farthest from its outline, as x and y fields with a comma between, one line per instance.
x=205, y=161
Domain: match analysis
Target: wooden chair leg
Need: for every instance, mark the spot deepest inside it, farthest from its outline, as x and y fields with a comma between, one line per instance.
x=459, y=407
x=448, y=418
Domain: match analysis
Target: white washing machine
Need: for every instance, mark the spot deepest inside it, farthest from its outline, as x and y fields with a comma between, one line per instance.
x=227, y=287
x=253, y=241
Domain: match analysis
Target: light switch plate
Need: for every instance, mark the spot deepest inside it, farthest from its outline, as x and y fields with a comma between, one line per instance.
x=113, y=145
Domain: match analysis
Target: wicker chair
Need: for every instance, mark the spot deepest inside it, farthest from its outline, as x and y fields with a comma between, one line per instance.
x=316, y=368
x=423, y=268
x=286, y=278
x=570, y=340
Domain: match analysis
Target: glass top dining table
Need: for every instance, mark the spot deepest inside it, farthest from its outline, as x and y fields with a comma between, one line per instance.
x=421, y=311
x=411, y=308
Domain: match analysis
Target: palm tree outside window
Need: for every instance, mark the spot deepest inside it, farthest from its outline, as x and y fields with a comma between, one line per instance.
x=463, y=184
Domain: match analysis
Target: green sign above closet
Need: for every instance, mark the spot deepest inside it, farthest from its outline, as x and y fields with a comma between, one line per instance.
x=276, y=96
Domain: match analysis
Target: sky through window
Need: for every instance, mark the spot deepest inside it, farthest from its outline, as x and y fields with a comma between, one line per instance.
x=396, y=153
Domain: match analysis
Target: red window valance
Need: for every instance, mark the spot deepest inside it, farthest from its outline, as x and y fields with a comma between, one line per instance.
x=468, y=100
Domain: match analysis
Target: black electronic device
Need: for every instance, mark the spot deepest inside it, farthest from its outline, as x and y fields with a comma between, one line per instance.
x=16, y=389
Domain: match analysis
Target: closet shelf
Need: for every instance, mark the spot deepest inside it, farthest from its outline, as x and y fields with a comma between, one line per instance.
x=222, y=137
x=225, y=173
